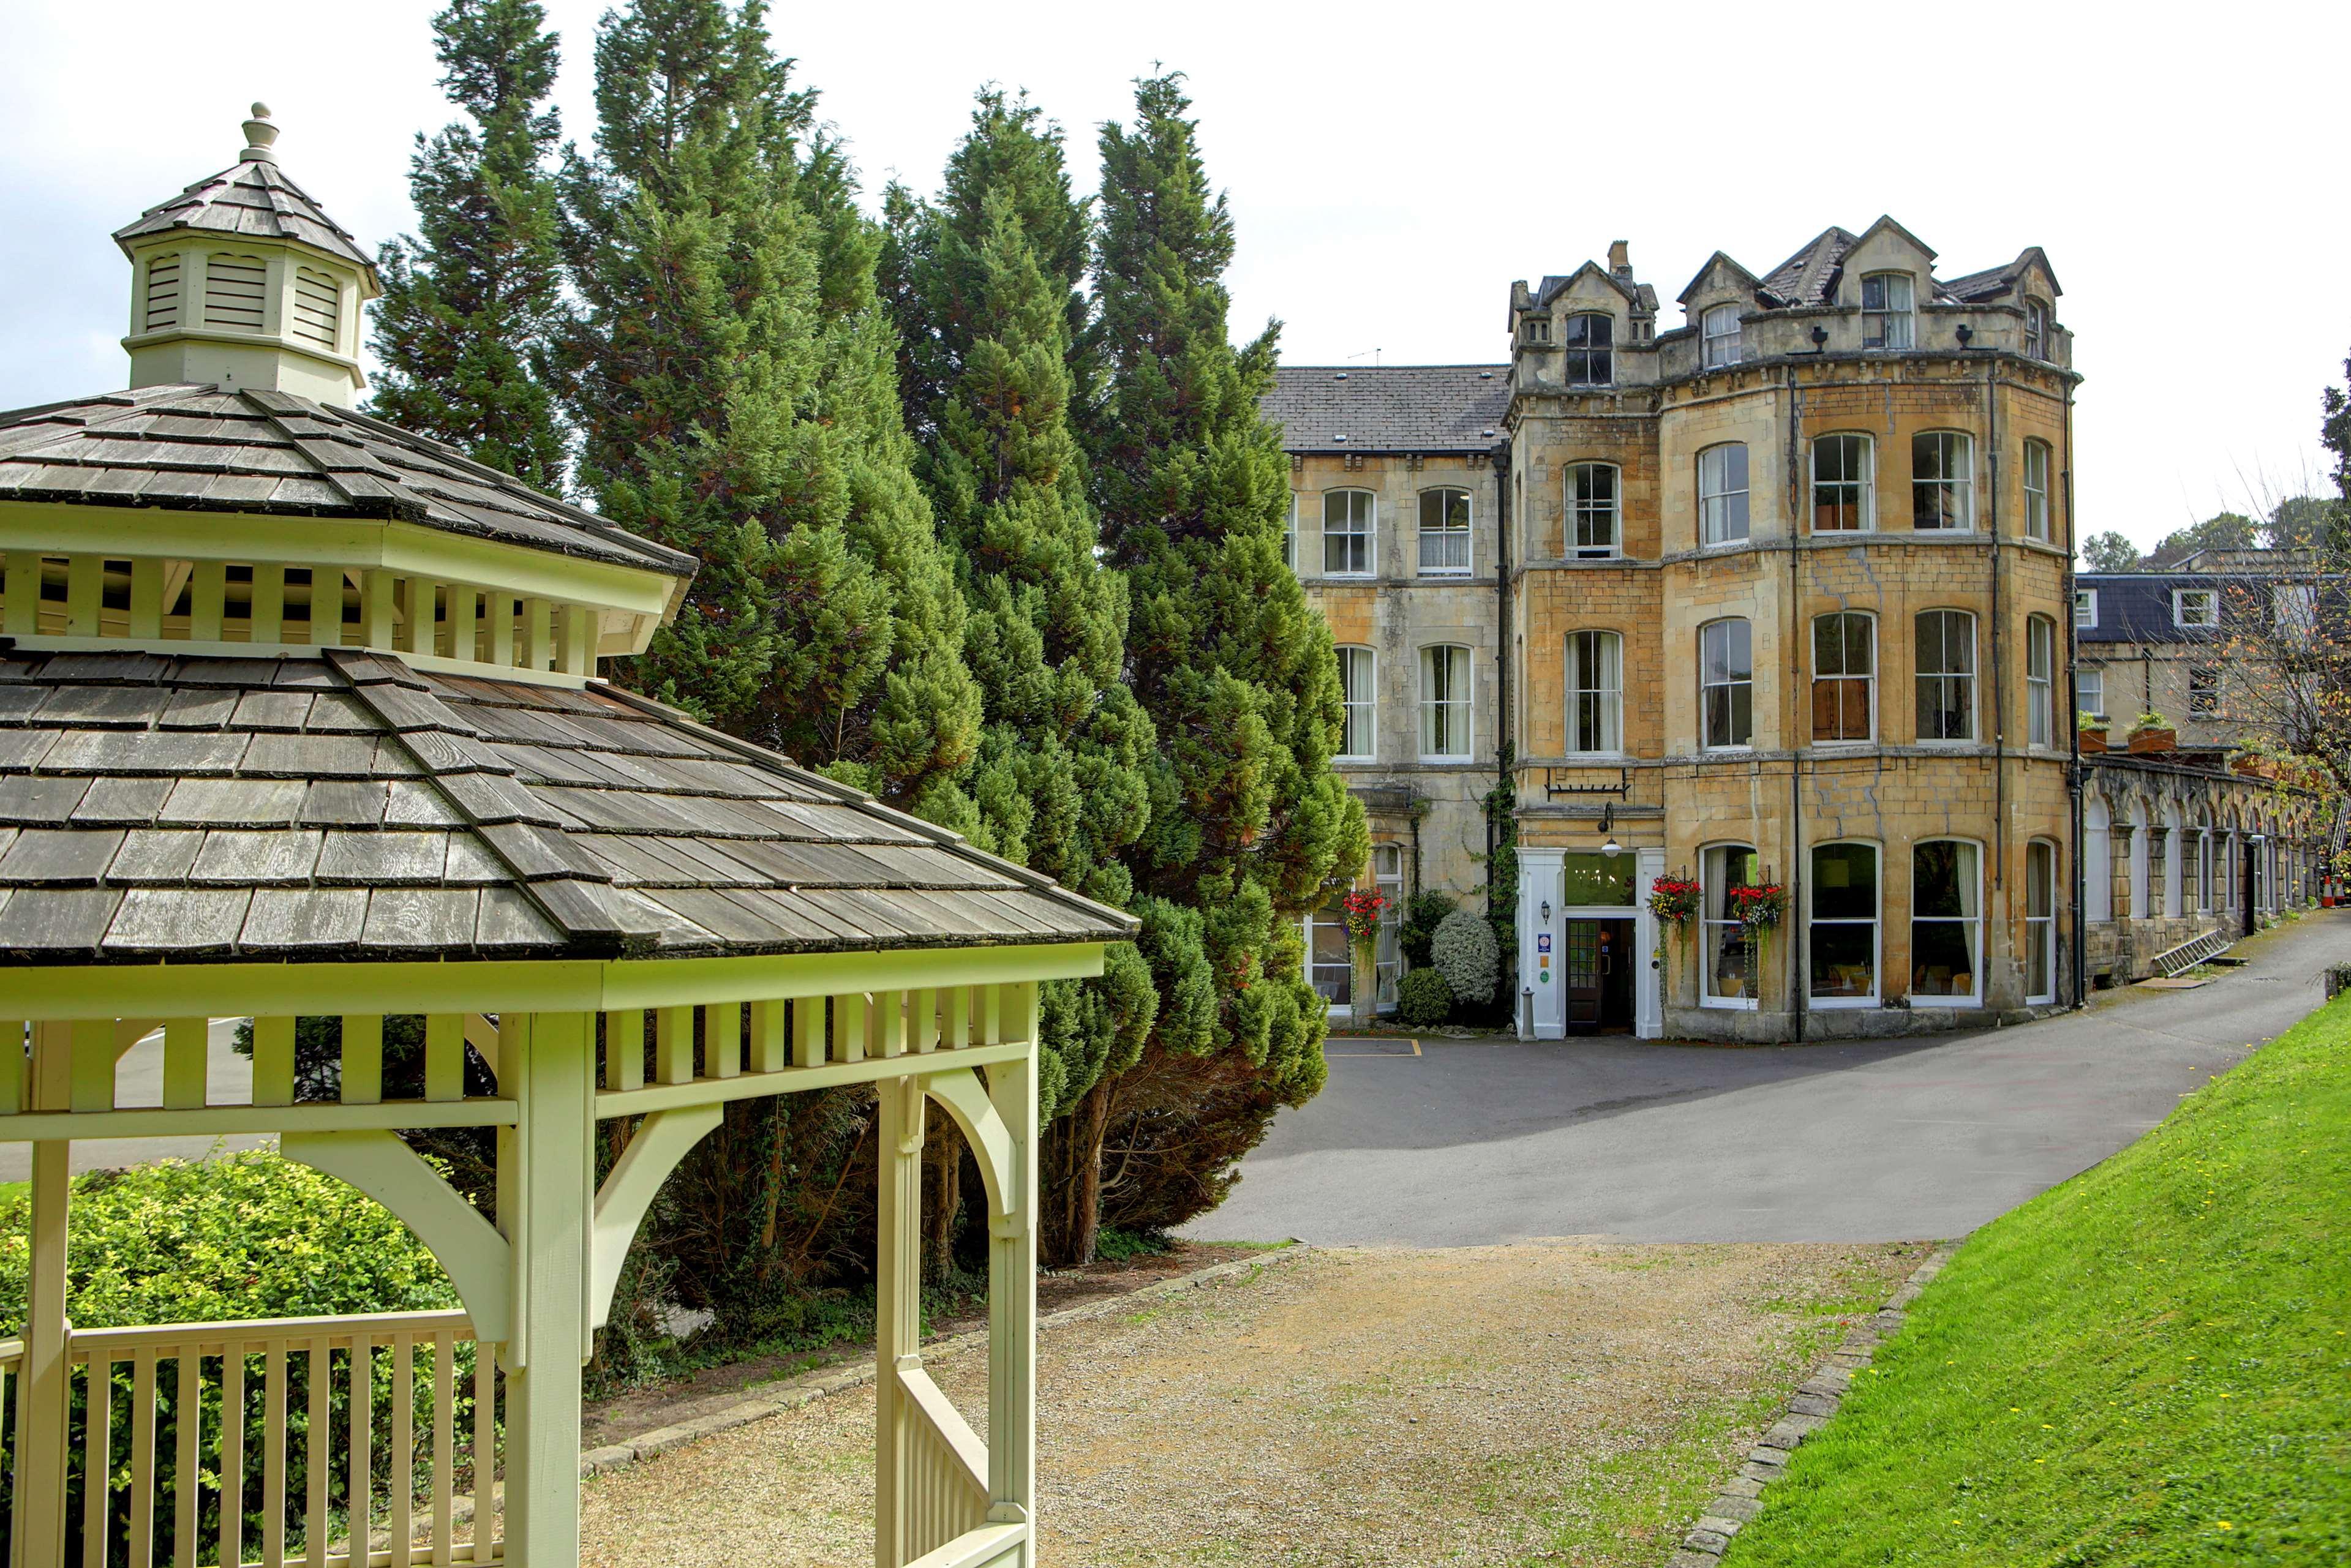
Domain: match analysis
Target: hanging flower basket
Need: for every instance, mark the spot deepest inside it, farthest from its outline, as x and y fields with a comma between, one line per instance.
x=1760, y=908
x=1673, y=902
x=1363, y=908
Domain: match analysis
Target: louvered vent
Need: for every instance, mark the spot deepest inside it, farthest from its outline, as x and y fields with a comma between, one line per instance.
x=234, y=289
x=163, y=292
x=317, y=304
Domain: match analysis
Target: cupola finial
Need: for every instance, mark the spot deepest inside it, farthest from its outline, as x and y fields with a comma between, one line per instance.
x=259, y=134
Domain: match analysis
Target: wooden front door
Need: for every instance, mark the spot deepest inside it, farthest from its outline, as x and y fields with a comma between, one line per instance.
x=1583, y=974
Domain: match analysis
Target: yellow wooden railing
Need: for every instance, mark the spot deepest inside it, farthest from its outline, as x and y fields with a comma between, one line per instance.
x=945, y=1486
x=402, y=1445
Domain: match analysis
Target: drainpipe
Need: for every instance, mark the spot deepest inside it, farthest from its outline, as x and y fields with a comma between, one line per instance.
x=1999, y=686
x=2073, y=731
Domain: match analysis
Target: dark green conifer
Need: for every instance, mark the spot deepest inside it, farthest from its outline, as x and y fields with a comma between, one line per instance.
x=472, y=300
x=1237, y=671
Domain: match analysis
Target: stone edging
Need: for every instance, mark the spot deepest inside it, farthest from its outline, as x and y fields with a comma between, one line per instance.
x=809, y=1387
x=1815, y=1400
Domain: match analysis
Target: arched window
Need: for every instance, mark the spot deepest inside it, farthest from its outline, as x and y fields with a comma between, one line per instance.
x=1595, y=693
x=1947, y=675
x=1942, y=481
x=2040, y=680
x=1444, y=533
x=163, y=292
x=1726, y=683
x=2098, y=860
x=1945, y=923
x=1720, y=329
x=2040, y=923
x=1844, y=676
x=1885, y=305
x=1728, y=962
x=1591, y=350
x=1445, y=714
x=1595, y=521
x=1841, y=936
x=1722, y=493
x=1844, y=484
x=2036, y=490
x=1347, y=517
x=1358, y=668
x=2036, y=329
x=234, y=291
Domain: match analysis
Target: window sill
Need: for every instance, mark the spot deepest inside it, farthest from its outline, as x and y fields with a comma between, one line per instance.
x=1727, y=751
x=1454, y=756
x=1861, y=743
x=1839, y=1004
x=1451, y=571
x=1358, y=761
x=1954, y=743
x=1952, y=1002
x=1730, y=1004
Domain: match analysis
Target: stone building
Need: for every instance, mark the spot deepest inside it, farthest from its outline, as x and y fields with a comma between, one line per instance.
x=1777, y=598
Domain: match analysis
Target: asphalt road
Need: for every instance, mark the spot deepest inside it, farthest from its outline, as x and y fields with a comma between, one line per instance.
x=1473, y=1143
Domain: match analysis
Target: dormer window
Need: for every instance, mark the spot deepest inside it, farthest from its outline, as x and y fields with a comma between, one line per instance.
x=1886, y=306
x=2036, y=329
x=1590, y=344
x=1536, y=328
x=1719, y=329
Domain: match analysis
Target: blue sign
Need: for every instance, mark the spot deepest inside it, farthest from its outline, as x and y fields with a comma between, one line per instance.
x=1543, y=943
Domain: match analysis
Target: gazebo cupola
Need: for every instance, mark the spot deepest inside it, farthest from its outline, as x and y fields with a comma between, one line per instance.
x=243, y=281
x=301, y=726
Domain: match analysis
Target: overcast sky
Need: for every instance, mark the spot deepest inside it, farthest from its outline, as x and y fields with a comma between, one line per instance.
x=1393, y=169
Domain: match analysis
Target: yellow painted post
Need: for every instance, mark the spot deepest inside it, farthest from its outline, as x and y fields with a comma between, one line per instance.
x=85, y=591
x=889, y=1031
x=673, y=1045
x=44, y=1377
x=445, y=1056
x=23, y=586
x=897, y=1310
x=377, y=593
x=624, y=1050
x=767, y=1037
x=267, y=616
x=808, y=1031
x=464, y=623
x=546, y=1165
x=576, y=640
x=416, y=634
x=501, y=610
x=183, y=1063
x=539, y=634
x=12, y=1066
x=1012, y=1283
x=849, y=1027
x=207, y=600
x=93, y=1065
x=925, y=1006
x=272, y=1061
x=147, y=599
x=362, y=1076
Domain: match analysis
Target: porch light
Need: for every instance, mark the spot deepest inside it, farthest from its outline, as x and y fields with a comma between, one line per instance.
x=1609, y=846
x=1546, y=911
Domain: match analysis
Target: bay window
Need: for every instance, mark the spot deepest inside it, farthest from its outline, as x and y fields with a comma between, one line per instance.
x=1727, y=962
x=1595, y=692
x=1844, y=676
x=1727, y=684
x=1844, y=484
x=1942, y=482
x=2036, y=490
x=2040, y=680
x=1357, y=670
x=1842, y=934
x=1722, y=493
x=1945, y=923
x=1947, y=675
x=1444, y=702
x=2040, y=922
x=1594, y=520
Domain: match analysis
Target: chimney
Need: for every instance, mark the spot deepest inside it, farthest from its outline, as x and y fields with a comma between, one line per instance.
x=1620, y=258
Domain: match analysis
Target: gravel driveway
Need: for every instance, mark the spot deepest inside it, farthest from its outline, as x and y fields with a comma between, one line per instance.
x=1554, y=1402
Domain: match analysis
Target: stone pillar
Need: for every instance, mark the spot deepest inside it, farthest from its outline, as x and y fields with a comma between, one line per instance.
x=897, y=1307
x=545, y=1198
x=44, y=1376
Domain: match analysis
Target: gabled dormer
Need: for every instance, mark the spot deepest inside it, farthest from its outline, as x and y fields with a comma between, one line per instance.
x=1715, y=304
x=1573, y=329
x=1887, y=276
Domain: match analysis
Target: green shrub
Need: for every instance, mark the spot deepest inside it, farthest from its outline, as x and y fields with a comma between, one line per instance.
x=1422, y=916
x=1424, y=999
x=1468, y=956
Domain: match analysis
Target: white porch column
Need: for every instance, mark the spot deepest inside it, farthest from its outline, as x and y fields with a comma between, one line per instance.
x=545, y=1196
x=1648, y=996
x=1012, y=1294
x=897, y=1309
x=43, y=1382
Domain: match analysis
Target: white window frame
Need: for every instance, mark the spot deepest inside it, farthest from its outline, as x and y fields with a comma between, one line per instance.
x=1361, y=699
x=1954, y=457
x=1864, y=501
x=2040, y=681
x=1706, y=685
x=1329, y=915
x=2036, y=329
x=2036, y=491
x=1387, y=945
x=1973, y=923
x=1867, y=678
x=1450, y=539
x=2181, y=617
x=1367, y=534
x=2090, y=689
x=1920, y=674
x=1876, y=924
x=2085, y=609
x=1722, y=495
x=1441, y=714
x=1579, y=361
x=1892, y=320
x=1712, y=884
x=1581, y=510
x=2041, y=930
x=1719, y=347
x=1604, y=687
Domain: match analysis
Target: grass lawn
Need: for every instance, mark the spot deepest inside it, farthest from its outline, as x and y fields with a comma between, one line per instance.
x=2147, y=1366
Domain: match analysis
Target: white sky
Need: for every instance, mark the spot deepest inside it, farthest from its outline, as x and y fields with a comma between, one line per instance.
x=1392, y=169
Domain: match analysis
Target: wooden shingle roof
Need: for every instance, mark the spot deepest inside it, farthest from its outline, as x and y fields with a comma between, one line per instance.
x=254, y=199
x=342, y=805
x=203, y=448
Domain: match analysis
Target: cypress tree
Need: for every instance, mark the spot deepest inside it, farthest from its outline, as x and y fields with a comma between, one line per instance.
x=1237, y=671
x=732, y=378
x=472, y=301
x=985, y=281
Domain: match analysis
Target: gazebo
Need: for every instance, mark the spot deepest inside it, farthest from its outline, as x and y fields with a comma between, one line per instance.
x=299, y=718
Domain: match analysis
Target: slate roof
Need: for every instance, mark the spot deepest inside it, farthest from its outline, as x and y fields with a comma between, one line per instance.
x=202, y=448
x=255, y=198
x=2136, y=606
x=342, y=805
x=1810, y=277
x=1392, y=407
